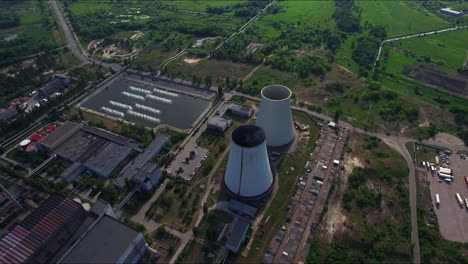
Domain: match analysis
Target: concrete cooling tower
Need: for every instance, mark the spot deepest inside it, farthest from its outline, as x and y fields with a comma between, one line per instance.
x=248, y=174
x=274, y=115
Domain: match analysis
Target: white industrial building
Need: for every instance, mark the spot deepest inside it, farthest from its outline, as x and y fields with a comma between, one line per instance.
x=275, y=116
x=451, y=12
x=248, y=174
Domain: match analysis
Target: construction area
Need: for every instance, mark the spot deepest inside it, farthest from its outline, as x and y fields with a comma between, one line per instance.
x=292, y=241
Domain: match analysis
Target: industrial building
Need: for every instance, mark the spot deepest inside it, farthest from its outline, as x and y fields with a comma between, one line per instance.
x=60, y=230
x=238, y=235
x=451, y=12
x=88, y=148
x=242, y=208
x=275, y=116
x=218, y=123
x=107, y=241
x=7, y=114
x=41, y=233
x=241, y=110
x=58, y=81
x=142, y=169
x=248, y=174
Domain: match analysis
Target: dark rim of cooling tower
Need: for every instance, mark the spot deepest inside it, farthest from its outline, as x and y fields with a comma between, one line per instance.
x=276, y=92
x=248, y=136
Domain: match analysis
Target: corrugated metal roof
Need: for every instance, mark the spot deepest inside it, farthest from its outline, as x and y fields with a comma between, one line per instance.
x=35, y=231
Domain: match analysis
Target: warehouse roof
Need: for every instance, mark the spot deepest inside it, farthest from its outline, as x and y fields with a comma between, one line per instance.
x=60, y=133
x=248, y=136
x=27, y=238
x=238, y=235
x=104, y=243
x=7, y=113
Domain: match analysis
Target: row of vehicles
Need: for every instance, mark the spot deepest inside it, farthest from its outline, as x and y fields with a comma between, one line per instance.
x=457, y=196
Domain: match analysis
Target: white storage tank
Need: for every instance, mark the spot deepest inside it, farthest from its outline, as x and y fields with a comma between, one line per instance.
x=274, y=115
x=248, y=174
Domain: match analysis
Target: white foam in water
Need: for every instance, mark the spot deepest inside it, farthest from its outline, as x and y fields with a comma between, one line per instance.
x=114, y=103
x=135, y=96
x=160, y=99
x=147, y=108
x=112, y=111
x=136, y=89
x=165, y=92
x=147, y=117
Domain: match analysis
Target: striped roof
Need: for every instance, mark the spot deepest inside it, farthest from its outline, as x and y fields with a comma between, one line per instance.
x=38, y=228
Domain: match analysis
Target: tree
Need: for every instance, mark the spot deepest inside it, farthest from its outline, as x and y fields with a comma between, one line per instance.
x=220, y=91
x=208, y=80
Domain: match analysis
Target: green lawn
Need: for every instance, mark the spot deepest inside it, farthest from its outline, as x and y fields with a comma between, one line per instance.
x=343, y=56
x=400, y=17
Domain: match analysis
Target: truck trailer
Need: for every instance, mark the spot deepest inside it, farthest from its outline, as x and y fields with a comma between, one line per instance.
x=445, y=170
x=466, y=181
x=437, y=199
x=459, y=199
x=437, y=160
x=445, y=176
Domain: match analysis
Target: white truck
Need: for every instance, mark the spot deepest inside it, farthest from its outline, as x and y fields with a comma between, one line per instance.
x=466, y=203
x=445, y=170
x=459, y=199
x=437, y=199
x=437, y=160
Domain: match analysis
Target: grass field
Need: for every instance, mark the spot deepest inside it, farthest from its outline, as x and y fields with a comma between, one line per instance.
x=80, y=8
x=400, y=17
x=446, y=50
x=200, y=6
x=308, y=13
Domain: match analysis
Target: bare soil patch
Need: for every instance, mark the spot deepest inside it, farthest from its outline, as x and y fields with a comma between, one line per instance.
x=453, y=82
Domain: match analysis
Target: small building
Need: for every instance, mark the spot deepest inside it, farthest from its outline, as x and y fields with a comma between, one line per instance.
x=240, y=110
x=332, y=124
x=8, y=114
x=218, y=123
x=451, y=12
x=238, y=235
x=301, y=127
x=336, y=163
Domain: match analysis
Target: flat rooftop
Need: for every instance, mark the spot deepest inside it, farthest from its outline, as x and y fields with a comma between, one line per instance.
x=106, y=242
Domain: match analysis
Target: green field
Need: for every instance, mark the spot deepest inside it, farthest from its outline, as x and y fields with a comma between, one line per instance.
x=446, y=50
x=308, y=13
x=400, y=17
x=80, y=8
x=200, y=6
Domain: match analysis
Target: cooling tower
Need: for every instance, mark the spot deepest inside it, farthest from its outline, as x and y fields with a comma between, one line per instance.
x=274, y=115
x=248, y=174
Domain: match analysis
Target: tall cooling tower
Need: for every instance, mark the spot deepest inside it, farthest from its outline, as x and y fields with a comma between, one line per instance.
x=248, y=174
x=274, y=115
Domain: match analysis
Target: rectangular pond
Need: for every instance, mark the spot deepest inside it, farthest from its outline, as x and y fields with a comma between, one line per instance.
x=147, y=104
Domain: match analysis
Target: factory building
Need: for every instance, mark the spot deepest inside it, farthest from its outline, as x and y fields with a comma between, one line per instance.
x=451, y=12
x=248, y=174
x=237, y=236
x=142, y=169
x=274, y=115
x=88, y=148
x=218, y=123
x=107, y=241
x=60, y=230
x=40, y=235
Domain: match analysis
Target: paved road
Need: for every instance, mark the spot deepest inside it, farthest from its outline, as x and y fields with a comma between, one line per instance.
x=72, y=40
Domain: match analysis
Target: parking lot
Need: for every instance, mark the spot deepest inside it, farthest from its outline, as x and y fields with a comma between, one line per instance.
x=187, y=163
x=452, y=217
